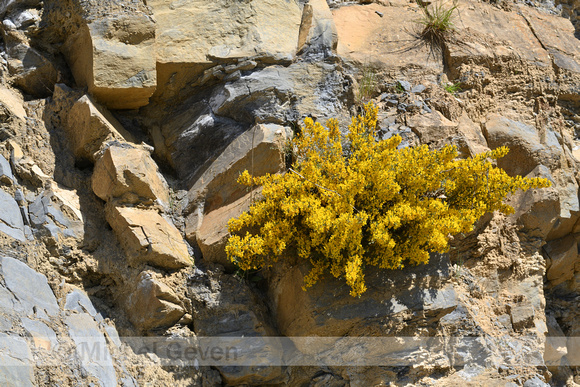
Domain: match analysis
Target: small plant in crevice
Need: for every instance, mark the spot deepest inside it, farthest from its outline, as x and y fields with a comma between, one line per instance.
x=437, y=22
x=452, y=87
x=367, y=85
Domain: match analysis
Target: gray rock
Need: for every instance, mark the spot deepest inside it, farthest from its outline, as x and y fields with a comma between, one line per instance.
x=43, y=336
x=16, y=368
x=418, y=89
x=5, y=170
x=405, y=85
x=19, y=277
x=79, y=301
x=11, y=222
x=7, y=301
x=535, y=382
x=522, y=317
x=91, y=348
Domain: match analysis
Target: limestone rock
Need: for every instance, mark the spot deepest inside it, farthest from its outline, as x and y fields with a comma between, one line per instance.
x=16, y=363
x=210, y=230
x=91, y=348
x=191, y=137
x=563, y=255
x=259, y=150
x=556, y=34
x=537, y=210
x=266, y=30
x=87, y=125
x=129, y=175
x=527, y=148
x=147, y=237
x=11, y=222
x=522, y=317
x=367, y=33
x=42, y=335
x=37, y=299
x=390, y=293
x=152, y=304
x=317, y=31
x=115, y=58
x=431, y=127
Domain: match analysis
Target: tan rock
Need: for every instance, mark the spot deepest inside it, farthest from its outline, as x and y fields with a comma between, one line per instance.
x=492, y=33
x=115, y=58
x=147, y=237
x=152, y=304
x=229, y=29
x=367, y=34
x=212, y=232
x=13, y=101
x=317, y=30
x=556, y=34
x=259, y=150
x=431, y=127
x=527, y=148
x=563, y=255
x=88, y=126
x=129, y=175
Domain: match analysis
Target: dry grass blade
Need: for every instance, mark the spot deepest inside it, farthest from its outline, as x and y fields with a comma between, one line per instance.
x=437, y=22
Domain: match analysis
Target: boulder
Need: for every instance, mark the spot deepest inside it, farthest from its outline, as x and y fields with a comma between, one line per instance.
x=563, y=255
x=211, y=230
x=259, y=150
x=537, y=210
x=416, y=294
x=431, y=127
x=527, y=148
x=16, y=362
x=115, y=57
x=86, y=124
x=522, y=316
x=129, y=175
x=147, y=237
x=318, y=33
x=152, y=304
x=488, y=30
x=91, y=348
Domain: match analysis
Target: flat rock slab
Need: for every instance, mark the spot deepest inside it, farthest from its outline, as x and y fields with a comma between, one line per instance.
x=147, y=237
x=496, y=33
x=153, y=304
x=130, y=175
x=92, y=348
x=19, y=277
x=556, y=34
x=366, y=37
x=11, y=222
x=228, y=30
x=16, y=367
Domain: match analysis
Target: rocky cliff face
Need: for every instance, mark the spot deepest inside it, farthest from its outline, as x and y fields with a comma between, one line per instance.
x=124, y=126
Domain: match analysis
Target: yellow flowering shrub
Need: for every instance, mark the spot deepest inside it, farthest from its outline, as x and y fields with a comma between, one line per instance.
x=367, y=203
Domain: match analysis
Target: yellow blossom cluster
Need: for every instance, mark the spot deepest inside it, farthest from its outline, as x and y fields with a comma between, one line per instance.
x=348, y=203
